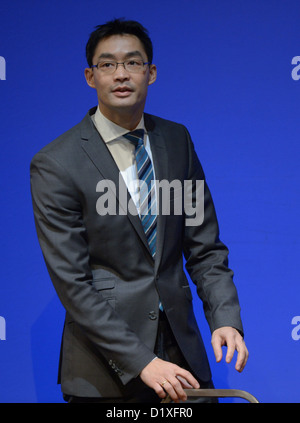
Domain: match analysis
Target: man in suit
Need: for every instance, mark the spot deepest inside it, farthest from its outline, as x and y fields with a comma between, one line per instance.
x=130, y=334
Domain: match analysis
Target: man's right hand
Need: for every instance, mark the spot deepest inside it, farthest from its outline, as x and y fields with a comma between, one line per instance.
x=168, y=378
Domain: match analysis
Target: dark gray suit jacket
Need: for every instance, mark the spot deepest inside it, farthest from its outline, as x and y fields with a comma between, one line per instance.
x=103, y=271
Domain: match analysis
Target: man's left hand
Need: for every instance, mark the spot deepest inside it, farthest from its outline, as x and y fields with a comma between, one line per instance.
x=234, y=341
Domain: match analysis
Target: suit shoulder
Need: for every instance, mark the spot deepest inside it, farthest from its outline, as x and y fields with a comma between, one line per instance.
x=67, y=142
x=162, y=122
x=69, y=136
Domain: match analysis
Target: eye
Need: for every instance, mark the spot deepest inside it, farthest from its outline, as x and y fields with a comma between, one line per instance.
x=134, y=63
x=106, y=65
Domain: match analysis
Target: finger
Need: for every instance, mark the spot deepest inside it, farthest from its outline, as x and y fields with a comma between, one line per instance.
x=159, y=391
x=184, y=383
x=231, y=345
x=187, y=377
x=179, y=388
x=217, y=347
x=242, y=357
x=170, y=389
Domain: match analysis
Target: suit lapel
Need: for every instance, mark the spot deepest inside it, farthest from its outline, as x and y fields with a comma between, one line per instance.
x=160, y=161
x=99, y=154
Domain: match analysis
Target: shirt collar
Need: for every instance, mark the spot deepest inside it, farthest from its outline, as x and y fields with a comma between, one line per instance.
x=110, y=131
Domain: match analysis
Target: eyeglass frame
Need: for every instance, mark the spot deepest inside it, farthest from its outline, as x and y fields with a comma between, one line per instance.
x=118, y=63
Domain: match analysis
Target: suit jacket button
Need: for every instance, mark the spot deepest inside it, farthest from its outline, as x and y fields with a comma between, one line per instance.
x=152, y=315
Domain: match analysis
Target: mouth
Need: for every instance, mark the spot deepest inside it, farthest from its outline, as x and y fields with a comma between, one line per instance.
x=122, y=91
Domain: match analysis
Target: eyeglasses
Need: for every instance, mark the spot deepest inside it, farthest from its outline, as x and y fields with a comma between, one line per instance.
x=132, y=66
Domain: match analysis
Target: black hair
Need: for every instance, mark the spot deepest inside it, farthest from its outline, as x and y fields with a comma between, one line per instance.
x=118, y=27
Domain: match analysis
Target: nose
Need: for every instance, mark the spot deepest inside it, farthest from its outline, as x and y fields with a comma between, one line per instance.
x=121, y=73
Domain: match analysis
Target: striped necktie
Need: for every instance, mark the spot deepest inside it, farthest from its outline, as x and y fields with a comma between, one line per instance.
x=147, y=188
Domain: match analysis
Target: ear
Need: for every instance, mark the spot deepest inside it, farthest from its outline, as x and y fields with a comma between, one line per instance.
x=89, y=76
x=152, y=74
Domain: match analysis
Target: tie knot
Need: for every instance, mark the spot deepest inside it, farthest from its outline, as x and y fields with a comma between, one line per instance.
x=136, y=137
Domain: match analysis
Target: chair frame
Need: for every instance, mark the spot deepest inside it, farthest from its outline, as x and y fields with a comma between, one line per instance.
x=217, y=393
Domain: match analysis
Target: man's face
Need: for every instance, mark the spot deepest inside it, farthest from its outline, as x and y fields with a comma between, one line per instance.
x=121, y=93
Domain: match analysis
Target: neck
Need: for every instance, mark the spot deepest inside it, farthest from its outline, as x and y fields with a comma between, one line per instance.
x=126, y=119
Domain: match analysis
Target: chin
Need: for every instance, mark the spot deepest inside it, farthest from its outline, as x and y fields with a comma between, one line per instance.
x=126, y=104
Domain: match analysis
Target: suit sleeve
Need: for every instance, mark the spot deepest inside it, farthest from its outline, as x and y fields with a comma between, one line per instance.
x=63, y=240
x=207, y=257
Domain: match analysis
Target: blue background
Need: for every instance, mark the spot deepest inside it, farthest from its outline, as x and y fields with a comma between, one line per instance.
x=224, y=70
